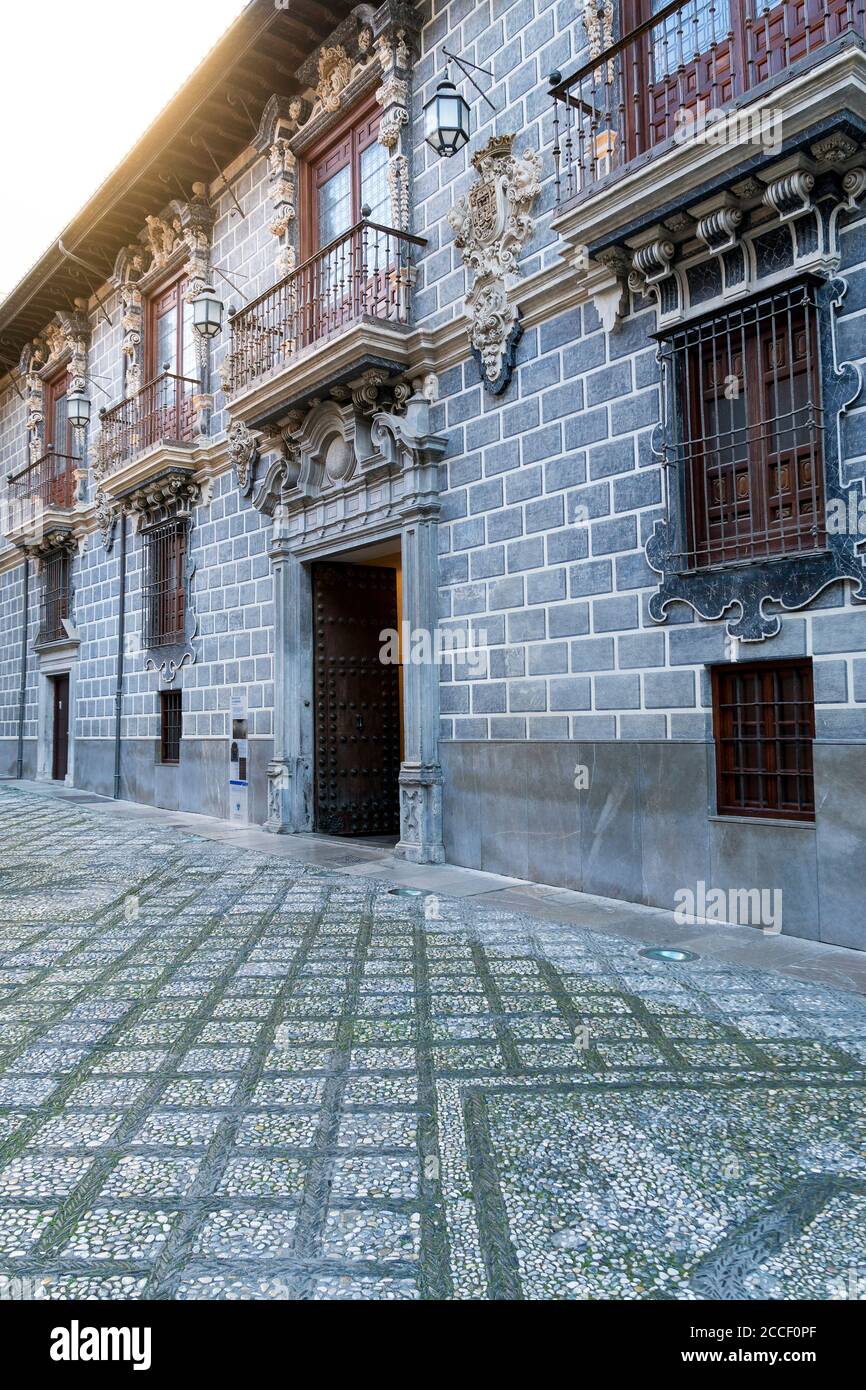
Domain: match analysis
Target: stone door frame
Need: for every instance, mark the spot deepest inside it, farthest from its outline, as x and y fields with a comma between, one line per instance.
x=382, y=486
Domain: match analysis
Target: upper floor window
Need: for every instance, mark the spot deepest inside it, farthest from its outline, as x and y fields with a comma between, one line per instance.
x=670, y=63
x=165, y=583
x=170, y=337
x=764, y=725
x=347, y=174
x=60, y=437
x=55, y=596
x=746, y=422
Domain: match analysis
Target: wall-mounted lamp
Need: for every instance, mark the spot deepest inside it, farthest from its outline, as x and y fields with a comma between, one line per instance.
x=78, y=409
x=447, y=115
x=207, y=312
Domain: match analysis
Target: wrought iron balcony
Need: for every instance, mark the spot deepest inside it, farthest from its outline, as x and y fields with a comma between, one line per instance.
x=365, y=273
x=50, y=480
x=162, y=412
x=659, y=81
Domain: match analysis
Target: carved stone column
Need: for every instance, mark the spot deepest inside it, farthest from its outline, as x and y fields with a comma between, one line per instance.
x=32, y=360
x=290, y=768
x=407, y=441
x=420, y=771
x=394, y=50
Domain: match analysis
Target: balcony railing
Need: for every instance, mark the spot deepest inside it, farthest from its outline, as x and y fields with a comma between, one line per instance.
x=662, y=78
x=162, y=412
x=50, y=480
x=365, y=272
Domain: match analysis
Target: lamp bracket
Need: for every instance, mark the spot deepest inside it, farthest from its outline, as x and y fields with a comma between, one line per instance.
x=465, y=65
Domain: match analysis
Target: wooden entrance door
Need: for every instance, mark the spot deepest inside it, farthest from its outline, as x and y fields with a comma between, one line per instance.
x=357, y=701
x=60, y=752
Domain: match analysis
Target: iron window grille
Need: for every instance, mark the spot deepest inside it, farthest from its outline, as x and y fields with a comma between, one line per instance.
x=170, y=725
x=764, y=725
x=744, y=455
x=165, y=586
x=55, y=597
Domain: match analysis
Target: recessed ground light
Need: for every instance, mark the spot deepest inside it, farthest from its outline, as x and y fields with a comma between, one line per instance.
x=672, y=954
x=408, y=892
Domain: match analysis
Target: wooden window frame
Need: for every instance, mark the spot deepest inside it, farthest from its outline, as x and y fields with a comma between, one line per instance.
x=778, y=458
x=170, y=726
x=173, y=286
x=346, y=142
x=768, y=742
x=55, y=389
x=55, y=600
x=166, y=546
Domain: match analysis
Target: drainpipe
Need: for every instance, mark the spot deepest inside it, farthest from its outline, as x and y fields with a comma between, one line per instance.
x=22, y=693
x=121, y=636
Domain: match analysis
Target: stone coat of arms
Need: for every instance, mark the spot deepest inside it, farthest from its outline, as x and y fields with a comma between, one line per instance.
x=492, y=223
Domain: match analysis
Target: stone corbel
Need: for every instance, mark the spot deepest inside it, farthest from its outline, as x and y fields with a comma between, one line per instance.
x=492, y=224
x=653, y=271
x=789, y=187
x=170, y=496
x=607, y=287
x=718, y=225
x=106, y=513
x=652, y=259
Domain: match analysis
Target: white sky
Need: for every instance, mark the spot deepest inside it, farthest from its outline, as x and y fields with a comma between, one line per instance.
x=80, y=80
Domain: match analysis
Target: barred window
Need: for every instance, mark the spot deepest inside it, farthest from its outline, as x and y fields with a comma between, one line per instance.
x=746, y=461
x=170, y=725
x=764, y=725
x=55, y=596
x=165, y=583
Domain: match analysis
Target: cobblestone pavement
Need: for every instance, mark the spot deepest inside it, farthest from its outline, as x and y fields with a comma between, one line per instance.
x=224, y=1075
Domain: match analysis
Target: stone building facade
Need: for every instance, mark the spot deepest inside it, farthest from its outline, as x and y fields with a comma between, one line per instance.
x=589, y=392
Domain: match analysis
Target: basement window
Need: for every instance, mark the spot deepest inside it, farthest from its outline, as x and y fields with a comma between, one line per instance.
x=170, y=725
x=764, y=726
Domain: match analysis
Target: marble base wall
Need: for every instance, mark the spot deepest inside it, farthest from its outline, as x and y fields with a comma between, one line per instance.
x=198, y=783
x=9, y=757
x=644, y=827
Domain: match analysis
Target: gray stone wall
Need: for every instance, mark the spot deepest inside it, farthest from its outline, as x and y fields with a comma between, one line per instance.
x=560, y=601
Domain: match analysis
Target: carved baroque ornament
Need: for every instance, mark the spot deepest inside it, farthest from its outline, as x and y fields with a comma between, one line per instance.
x=492, y=223
x=370, y=52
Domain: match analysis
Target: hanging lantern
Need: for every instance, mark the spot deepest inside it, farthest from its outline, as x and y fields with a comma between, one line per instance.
x=207, y=312
x=446, y=120
x=78, y=407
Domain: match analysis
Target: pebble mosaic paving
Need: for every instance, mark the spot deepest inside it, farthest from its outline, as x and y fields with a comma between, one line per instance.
x=225, y=1075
